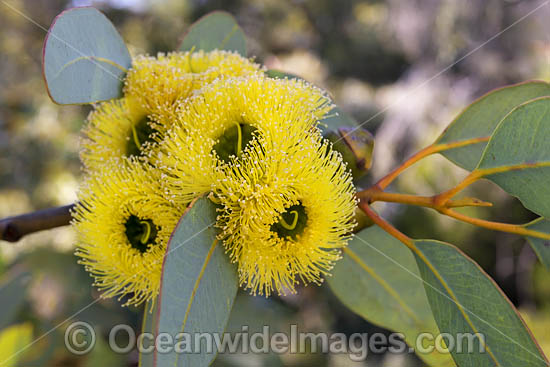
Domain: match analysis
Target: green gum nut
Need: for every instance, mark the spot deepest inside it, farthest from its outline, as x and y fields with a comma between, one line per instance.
x=356, y=146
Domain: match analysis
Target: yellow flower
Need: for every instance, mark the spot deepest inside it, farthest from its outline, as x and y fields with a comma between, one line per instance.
x=230, y=117
x=285, y=215
x=123, y=224
x=158, y=82
x=127, y=127
x=116, y=129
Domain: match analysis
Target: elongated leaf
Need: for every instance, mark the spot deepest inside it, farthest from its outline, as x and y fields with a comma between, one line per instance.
x=216, y=30
x=517, y=157
x=12, y=296
x=84, y=58
x=149, y=325
x=465, y=300
x=253, y=314
x=379, y=280
x=540, y=246
x=480, y=119
x=198, y=288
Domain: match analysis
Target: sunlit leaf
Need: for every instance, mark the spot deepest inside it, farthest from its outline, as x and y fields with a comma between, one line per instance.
x=379, y=280
x=216, y=30
x=84, y=58
x=465, y=300
x=198, y=288
x=480, y=119
x=13, y=341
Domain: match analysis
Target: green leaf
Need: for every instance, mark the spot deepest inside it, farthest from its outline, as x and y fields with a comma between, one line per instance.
x=217, y=30
x=278, y=74
x=198, y=287
x=13, y=341
x=149, y=325
x=464, y=299
x=337, y=118
x=254, y=313
x=84, y=58
x=103, y=355
x=480, y=119
x=12, y=296
x=540, y=246
x=517, y=157
x=379, y=280
x=356, y=146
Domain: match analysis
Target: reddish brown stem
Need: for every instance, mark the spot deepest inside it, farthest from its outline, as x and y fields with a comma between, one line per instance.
x=385, y=225
x=12, y=229
x=429, y=150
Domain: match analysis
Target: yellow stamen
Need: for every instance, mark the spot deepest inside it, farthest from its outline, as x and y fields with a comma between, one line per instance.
x=147, y=233
x=239, y=146
x=290, y=227
x=134, y=134
x=214, y=199
x=189, y=60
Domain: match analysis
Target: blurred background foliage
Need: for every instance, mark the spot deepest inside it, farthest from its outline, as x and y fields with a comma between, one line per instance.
x=381, y=60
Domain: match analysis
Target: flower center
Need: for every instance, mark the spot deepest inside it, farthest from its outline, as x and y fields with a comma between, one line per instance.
x=292, y=222
x=140, y=134
x=140, y=233
x=234, y=140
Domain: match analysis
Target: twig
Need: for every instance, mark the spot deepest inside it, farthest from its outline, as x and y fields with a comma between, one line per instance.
x=444, y=207
x=385, y=225
x=518, y=229
x=12, y=229
x=374, y=194
x=385, y=181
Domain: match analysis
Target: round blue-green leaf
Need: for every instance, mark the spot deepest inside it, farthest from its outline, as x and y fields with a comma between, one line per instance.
x=84, y=58
x=215, y=31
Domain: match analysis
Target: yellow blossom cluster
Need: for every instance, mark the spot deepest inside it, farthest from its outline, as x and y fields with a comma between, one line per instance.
x=191, y=124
